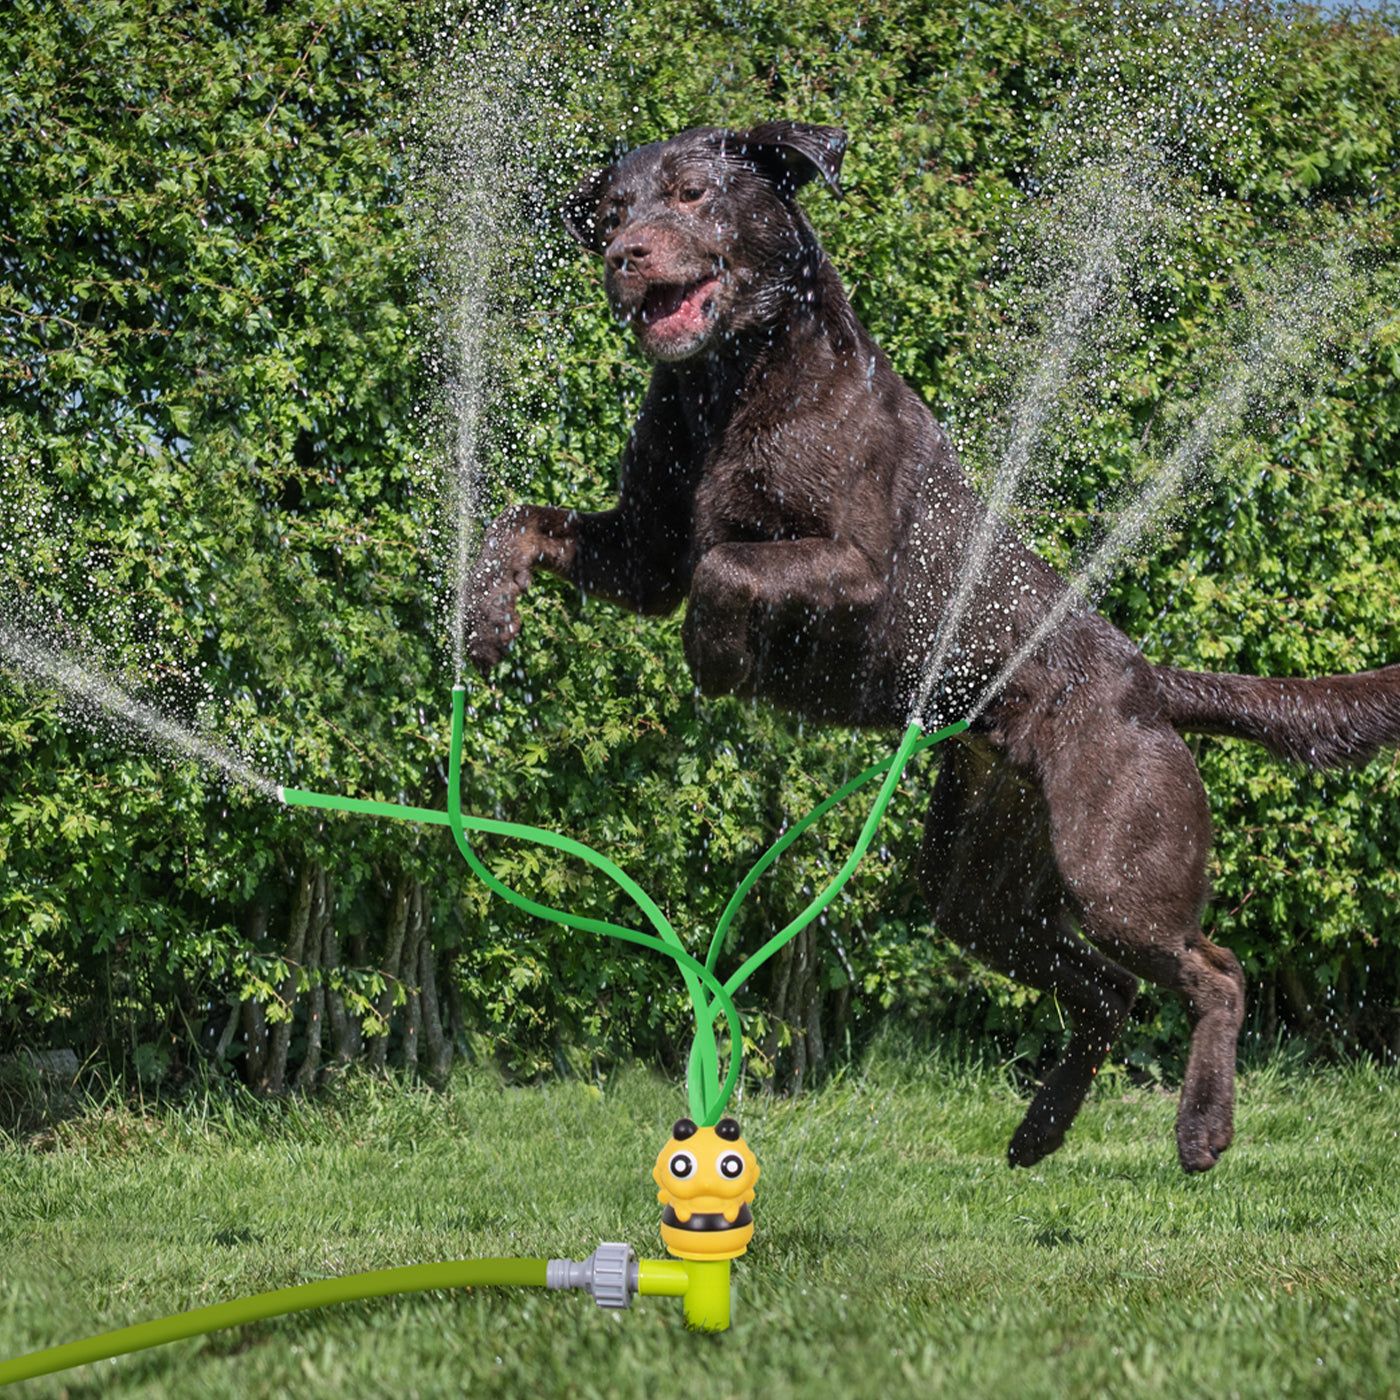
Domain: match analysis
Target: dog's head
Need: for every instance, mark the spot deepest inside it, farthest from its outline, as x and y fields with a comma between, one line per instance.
x=702, y=236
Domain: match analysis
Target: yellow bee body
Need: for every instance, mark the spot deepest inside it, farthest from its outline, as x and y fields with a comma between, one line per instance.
x=706, y=1176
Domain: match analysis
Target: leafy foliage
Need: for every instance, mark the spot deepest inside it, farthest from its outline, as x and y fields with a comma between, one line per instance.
x=217, y=476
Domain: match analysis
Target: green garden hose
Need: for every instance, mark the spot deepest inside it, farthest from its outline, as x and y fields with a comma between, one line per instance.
x=415, y=1278
x=611, y=1276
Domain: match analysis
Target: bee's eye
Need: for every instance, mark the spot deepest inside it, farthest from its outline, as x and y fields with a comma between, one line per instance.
x=731, y=1166
x=681, y=1166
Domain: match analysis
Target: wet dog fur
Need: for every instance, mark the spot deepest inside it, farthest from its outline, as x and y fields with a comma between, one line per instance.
x=786, y=485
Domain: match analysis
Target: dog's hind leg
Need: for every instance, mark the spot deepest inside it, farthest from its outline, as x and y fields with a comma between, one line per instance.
x=1210, y=981
x=989, y=873
x=1131, y=832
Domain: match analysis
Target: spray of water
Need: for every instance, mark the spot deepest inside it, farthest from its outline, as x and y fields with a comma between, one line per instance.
x=1114, y=216
x=501, y=136
x=1285, y=350
x=1115, y=220
x=48, y=590
x=472, y=137
x=95, y=694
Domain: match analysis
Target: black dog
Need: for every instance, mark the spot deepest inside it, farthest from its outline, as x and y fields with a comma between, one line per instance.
x=791, y=489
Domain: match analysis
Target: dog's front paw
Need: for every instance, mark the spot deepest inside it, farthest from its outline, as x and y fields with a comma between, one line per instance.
x=489, y=639
x=492, y=618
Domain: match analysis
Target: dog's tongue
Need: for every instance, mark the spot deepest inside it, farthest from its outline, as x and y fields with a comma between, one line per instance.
x=676, y=308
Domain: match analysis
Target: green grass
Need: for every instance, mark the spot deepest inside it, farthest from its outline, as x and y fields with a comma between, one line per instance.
x=895, y=1255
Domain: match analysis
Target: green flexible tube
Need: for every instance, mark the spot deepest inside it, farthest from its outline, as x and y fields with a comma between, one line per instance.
x=670, y=947
x=415, y=1278
x=913, y=742
x=815, y=815
x=708, y=1096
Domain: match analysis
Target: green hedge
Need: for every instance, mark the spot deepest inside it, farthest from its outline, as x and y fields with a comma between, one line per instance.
x=220, y=449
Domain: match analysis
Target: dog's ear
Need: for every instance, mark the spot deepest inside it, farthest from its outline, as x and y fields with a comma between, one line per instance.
x=795, y=152
x=580, y=211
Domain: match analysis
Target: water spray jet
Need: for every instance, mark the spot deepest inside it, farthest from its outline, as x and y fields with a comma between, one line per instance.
x=88, y=688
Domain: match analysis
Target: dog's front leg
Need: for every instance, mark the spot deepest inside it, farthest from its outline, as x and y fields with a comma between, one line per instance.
x=632, y=556
x=770, y=618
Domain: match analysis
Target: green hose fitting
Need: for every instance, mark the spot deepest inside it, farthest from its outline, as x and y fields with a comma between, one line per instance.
x=702, y=1285
x=613, y=1274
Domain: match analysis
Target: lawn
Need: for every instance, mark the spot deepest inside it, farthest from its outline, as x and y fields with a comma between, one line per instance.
x=896, y=1254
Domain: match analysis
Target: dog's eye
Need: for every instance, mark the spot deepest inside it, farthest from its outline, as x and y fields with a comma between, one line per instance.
x=691, y=193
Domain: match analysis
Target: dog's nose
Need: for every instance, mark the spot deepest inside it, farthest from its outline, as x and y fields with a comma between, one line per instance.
x=632, y=251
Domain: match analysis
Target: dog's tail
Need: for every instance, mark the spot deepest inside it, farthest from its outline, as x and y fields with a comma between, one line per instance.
x=1325, y=722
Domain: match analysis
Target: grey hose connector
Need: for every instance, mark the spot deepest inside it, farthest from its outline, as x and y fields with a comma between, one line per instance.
x=608, y=1275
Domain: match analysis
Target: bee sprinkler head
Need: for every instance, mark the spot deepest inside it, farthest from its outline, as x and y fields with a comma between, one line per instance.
x=706, y=1178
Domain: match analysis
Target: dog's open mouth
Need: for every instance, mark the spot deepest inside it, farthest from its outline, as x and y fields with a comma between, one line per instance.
x=678, y=309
